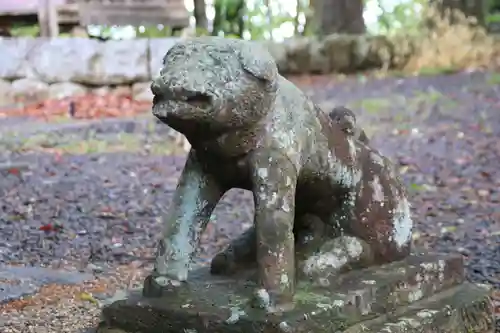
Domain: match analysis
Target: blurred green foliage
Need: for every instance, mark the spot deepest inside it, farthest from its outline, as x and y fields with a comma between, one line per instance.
x=229, y=18
x=19, y=30
x=403, y=16
x=494, y=6
x=251, y=20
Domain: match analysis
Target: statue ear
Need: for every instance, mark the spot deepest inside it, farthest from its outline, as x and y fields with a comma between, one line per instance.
x=259, y=63
x=345, y=118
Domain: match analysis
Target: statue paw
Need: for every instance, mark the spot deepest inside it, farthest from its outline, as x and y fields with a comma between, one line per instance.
x=157, y=286
x=262, y=299
x=223, y=264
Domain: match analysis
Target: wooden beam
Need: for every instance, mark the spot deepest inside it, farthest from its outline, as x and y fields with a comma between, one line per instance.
x=47, y=18
x=53, y=20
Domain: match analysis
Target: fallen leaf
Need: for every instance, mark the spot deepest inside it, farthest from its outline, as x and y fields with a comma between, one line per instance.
x=50, y=227
x=88, y=297
x=483, y=193
x=450, y=228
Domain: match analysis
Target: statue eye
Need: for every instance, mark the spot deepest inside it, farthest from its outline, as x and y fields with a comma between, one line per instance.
x=173, y=53
x=217, y=61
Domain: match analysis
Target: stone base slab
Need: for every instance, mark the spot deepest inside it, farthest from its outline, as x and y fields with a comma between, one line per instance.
x=465, y=308
x=417, y=287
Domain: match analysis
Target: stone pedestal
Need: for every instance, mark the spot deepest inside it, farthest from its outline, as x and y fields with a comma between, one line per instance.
x=423, y=293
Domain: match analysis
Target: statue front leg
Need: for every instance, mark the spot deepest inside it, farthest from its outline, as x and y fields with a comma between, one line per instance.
x=274, y=180
x=195, y=197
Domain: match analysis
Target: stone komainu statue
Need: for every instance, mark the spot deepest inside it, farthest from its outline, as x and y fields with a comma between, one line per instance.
x=325, y=202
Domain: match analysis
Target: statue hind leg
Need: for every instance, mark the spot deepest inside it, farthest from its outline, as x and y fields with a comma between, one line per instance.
x=242, y=251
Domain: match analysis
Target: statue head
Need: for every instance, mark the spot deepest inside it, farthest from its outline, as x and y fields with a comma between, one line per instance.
x=211, y=85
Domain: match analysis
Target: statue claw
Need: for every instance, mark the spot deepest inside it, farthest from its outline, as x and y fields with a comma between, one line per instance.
x=157, y=286
x=263, y=300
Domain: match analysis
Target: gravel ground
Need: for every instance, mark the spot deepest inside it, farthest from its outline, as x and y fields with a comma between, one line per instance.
x=92, y=198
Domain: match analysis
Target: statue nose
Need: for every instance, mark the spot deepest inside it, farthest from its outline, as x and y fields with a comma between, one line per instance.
x=166, y=87
x=156, y=87
x=172, y=89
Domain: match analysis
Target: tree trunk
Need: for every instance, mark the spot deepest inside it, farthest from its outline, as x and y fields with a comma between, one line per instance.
x=340, y=16
x=269, y=17
x=47, y=19
x=296, y=23
x=200, y=14
x=313, y=18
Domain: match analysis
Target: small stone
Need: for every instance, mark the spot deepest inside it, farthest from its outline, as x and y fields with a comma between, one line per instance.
x=141, y=92
x=101, y=91
x=298, y=55
x=122, y=91
x=284, y=327
x=66, y=89
x=262, y=299
x=29, y=90
x=235, y=315
x=483, y=193
x=94, y=268
x=6, y=97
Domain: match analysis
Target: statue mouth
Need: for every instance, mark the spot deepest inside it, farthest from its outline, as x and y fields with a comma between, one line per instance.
x=180, y=108
x=199, y=100
x=195, y=99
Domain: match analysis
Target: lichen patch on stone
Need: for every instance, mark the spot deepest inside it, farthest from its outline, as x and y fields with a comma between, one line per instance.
x=403, y=223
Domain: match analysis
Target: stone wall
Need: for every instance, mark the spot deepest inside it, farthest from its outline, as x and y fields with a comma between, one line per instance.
x=33, y=69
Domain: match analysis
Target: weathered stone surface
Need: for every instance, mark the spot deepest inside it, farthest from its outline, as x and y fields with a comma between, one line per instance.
x=122, y=62
x=465, y=308
x=90, y=61
x=402, y=48
x=66, y=89
x=371, y=52
x=158, y=47
x=298, y=54
x=278, y=52
x=141, y=91
x=29, y=90
x=5, y=93
x=65, y=59
x=14, y=54
x=122, y=91
x=101, y=91
x=339, y=49
x=319, y=61
x=367, y=299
